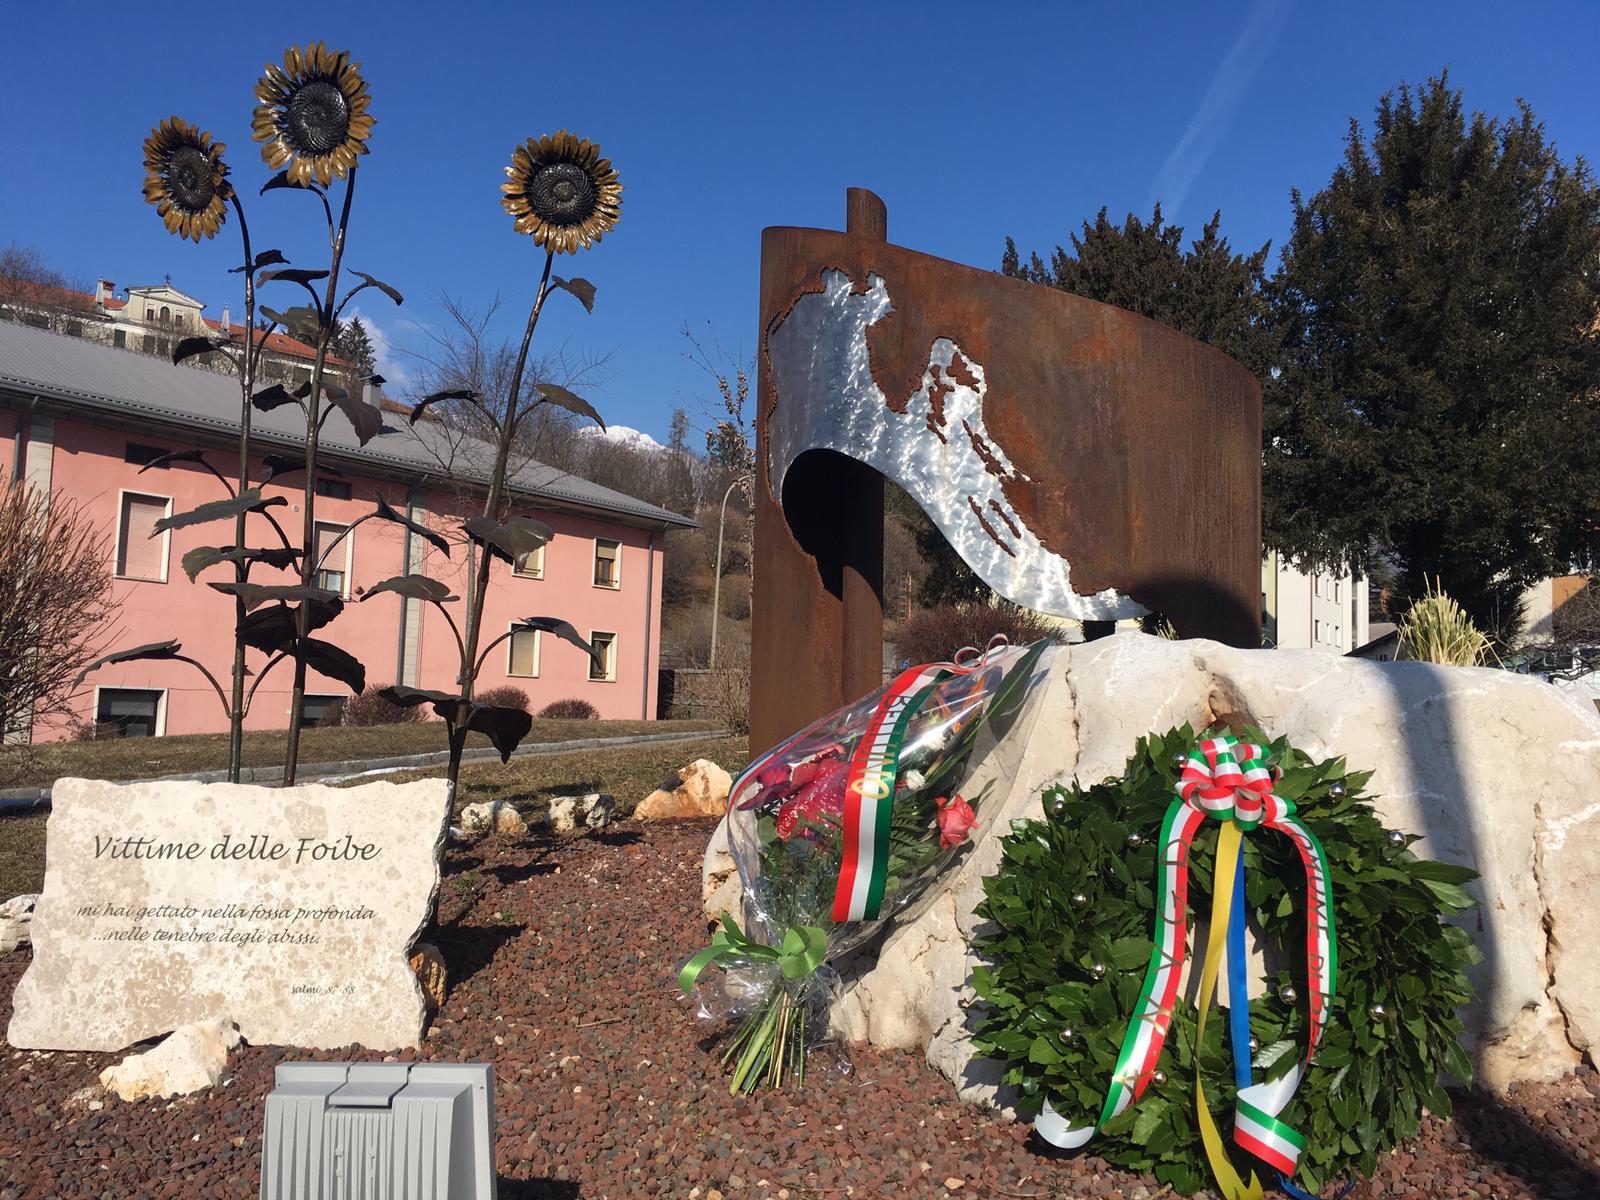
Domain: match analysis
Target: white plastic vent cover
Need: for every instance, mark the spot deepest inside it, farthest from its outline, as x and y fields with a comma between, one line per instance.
x=380, y=1131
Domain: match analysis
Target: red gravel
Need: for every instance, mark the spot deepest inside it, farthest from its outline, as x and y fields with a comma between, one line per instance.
x=560, y=958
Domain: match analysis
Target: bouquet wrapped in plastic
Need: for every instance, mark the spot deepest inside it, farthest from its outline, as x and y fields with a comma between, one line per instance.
x=845, y=825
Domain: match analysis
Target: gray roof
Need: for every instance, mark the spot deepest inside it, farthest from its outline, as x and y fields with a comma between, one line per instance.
x=193, y=402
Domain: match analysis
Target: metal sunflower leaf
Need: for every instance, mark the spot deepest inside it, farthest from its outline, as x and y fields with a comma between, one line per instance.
x=202, y=557
x=151, y=650
x=439, y=397
x=301, y=321
x=273, y=629
x=386, y=512
x=283, y=180
x=248, y=501
x=570, y=401
x=334, y=663
x=565, y=631
x=190, y=346
x=413, y=587
x=509, y=539
x=266, y=258
x=383, y=287
x=292, y=275
x=410, y=697
x=272, y=397
x=504, y=727
x=174, y=456
x=366, y=419
x=256, y=594
x=581, y=288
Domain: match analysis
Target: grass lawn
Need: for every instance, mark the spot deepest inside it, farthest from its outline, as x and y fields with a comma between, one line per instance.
x=630, y=773
x=140, y=758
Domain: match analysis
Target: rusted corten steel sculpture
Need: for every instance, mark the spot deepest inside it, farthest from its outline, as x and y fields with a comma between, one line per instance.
x=1083, y=461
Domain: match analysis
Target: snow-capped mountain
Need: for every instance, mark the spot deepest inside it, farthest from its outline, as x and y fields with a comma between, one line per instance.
x=623, y=435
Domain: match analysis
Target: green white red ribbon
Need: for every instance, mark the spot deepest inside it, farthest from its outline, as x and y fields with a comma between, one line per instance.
x=1229, y=781
x=869, y=793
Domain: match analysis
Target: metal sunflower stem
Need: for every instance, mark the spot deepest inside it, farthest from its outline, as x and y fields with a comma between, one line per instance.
x=308, y=564
x=491, y=509
x=241, y=569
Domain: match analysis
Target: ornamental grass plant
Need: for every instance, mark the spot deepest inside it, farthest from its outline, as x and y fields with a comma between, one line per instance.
x=1438, y=630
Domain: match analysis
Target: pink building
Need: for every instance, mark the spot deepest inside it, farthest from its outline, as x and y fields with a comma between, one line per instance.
x=79, y=419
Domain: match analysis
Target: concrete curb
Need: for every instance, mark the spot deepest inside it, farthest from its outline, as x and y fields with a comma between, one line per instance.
x=22, y=800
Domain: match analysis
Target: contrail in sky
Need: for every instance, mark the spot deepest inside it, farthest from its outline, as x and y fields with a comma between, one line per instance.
x=1217, y=107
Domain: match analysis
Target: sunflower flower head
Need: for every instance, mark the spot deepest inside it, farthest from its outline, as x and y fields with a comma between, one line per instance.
x=186, y=179
x=313, y=114
x=562, y=192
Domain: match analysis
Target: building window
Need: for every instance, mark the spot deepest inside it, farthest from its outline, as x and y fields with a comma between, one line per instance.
x=141, y=455
x=531, y=566
x=150, y=316
x=141, y=553
x=334, y=489
x=128, y=712
x=605, y=650
x=1316, y=631
x=607, y=563
x=166, y=314
x=333, y=559
x=1336, y=591
x=523, y=654
x=119, y=338
x=316, y=707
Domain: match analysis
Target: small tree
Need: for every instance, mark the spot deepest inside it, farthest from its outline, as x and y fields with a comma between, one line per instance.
x=55, y=602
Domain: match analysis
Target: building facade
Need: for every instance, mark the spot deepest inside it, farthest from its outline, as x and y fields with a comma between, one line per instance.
x=82, y=421
x=1304, y=610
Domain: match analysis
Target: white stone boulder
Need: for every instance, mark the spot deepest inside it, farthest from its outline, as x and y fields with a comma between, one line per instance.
x=493, y=816
x=598, y=809
x=189, y=1060
x=564, y=814
x=1496, y=771
x=698, y=790
x=16, y=922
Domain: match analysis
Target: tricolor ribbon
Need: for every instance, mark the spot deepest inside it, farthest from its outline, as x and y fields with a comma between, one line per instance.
x=869, y=792
x=1229, y=781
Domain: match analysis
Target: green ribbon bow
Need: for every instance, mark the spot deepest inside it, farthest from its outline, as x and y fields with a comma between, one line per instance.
x=800, y=954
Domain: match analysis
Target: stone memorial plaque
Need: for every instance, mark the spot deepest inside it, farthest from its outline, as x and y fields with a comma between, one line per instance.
x=289, y=910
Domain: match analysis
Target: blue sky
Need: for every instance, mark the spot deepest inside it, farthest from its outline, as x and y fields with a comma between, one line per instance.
x=972, y=121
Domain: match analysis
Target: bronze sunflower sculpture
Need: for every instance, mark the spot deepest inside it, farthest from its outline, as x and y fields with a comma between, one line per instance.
x=313, y=114
x=187, y=180
x=562, y=192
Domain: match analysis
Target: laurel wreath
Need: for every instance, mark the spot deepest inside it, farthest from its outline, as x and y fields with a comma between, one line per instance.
x=1072, y=907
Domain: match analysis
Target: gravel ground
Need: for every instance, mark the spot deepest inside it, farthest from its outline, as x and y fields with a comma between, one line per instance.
x=560, y=957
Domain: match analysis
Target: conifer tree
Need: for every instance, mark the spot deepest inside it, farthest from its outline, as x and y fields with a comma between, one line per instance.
x=1440, y=391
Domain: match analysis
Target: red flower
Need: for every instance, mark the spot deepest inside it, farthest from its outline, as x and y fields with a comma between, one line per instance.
x=956, y=821
x=823, y=792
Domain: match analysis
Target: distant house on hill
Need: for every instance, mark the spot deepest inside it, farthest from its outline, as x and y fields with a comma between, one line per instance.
x=152, y=320
x=81, y=419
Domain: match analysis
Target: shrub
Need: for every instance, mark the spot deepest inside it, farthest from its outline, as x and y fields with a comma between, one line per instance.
x=935, y=633
x=569, y=710
x=369, y=708
x=504, y=696
x=722, y=694
x=736, y=596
